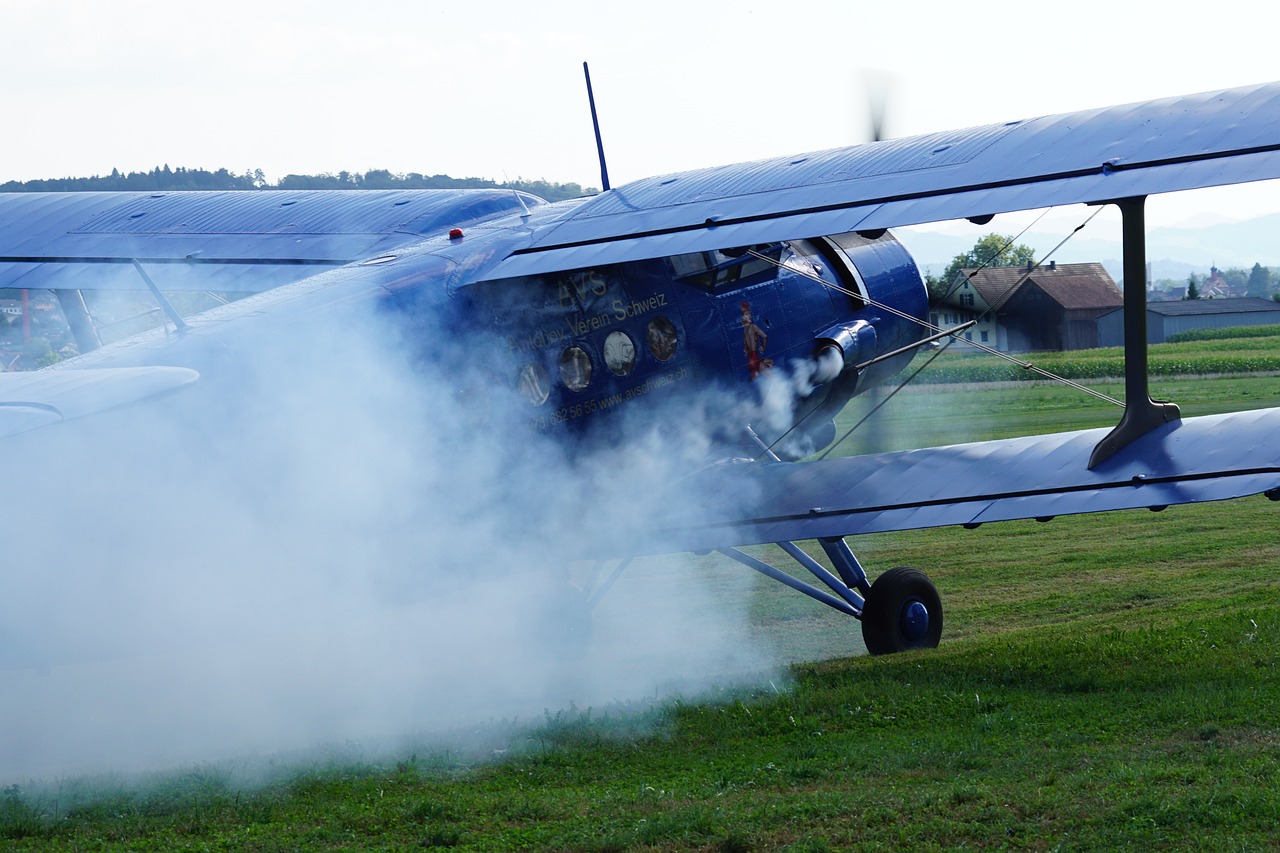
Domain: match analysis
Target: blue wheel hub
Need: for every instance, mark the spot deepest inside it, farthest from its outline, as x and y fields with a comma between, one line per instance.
x=914, y=620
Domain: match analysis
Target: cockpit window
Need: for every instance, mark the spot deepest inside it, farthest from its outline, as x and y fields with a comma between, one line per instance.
x=726, y=269
x=688, y=265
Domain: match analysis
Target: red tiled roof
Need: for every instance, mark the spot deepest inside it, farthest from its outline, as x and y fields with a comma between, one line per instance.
x=1080, y=291
x=1073, y=286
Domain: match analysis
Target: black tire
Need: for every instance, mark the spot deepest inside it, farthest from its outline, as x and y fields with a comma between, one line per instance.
x=903, y=611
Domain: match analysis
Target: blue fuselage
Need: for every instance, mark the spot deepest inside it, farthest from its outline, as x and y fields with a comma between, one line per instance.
x=581, y=345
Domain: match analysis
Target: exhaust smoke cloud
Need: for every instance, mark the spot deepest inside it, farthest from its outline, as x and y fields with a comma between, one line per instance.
x=317, y=544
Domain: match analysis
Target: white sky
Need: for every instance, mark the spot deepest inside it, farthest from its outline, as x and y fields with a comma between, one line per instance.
x=494, y=89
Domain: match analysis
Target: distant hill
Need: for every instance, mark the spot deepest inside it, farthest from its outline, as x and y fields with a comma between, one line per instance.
x=163, y=178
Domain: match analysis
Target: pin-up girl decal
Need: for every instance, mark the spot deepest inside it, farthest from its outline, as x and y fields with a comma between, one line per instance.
x=753, y=341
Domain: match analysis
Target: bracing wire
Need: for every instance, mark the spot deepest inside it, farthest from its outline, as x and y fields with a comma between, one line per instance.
x=879, y=405
x=960, y=278
x=1009, y=291
x=1025, y=365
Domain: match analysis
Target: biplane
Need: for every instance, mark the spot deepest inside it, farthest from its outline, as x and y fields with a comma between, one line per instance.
x=676, y=286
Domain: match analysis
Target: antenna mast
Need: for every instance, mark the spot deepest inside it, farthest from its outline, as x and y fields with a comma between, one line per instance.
x=595, y=123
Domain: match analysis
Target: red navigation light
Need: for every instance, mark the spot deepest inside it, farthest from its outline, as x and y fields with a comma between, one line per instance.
x=455, y=234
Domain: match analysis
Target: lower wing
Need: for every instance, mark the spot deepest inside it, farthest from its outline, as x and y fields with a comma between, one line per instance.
x=1197, y=459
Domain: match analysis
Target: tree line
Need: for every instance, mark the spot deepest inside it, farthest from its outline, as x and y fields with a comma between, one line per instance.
x=163, y=178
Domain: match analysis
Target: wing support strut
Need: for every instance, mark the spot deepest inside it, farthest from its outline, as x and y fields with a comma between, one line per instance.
x=596, y=589
x=178, y=323
x=1141, y=413
x=79, y=319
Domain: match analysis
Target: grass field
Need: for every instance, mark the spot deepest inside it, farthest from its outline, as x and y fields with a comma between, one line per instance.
x=1249, y=350
x=923, y=416
x=1103, y=683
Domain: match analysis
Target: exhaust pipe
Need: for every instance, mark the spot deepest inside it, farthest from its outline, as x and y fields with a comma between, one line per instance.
x=842, y=347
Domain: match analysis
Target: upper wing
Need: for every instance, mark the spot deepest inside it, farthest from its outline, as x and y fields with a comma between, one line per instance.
x=1095, y=156
x=1197, y=459
x=254, y=240
x=219, y=241
x=242, y=242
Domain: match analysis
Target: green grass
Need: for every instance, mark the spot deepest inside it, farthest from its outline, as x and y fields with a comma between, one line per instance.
x=1090, y=694
x=1232, y=332
x=1247, y=353
x=1104, y=682
x=922, y=416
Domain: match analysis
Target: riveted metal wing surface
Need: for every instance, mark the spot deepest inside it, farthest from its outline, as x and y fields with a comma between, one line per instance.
x=235, y=241
x=966, y=484
x=1098, y=155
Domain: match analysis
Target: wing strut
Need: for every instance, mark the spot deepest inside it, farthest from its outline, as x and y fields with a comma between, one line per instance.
x=1141, y=413
x=79, y=319
x=165, y=304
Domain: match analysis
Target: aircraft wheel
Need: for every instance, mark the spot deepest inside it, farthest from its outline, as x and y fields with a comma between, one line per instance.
x=903, y=611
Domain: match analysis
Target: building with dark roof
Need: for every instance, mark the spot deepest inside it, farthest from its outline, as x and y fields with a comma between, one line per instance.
x=1169, y=318
x=1020, y=310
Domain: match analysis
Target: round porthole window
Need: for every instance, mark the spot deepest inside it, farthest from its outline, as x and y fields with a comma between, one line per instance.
x=662, y=338
x=575, y=368
x=534, y=383
x=619, y=353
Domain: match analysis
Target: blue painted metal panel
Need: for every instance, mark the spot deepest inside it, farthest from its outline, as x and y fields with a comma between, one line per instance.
x=1032, y=477
x=892, y=278
x=1097, y=155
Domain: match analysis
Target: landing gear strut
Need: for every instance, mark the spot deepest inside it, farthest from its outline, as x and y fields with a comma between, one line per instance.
x=900, y=611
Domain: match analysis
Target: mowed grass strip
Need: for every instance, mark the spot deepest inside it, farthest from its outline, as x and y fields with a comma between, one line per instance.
x=1104, y=683
x=1229, y=352
x=925, y=416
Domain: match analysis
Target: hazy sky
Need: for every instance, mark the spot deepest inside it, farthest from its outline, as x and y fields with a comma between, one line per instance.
x=494, y=89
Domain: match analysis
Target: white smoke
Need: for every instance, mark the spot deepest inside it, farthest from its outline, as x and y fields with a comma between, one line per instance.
x=782, y=390
x=317, y=544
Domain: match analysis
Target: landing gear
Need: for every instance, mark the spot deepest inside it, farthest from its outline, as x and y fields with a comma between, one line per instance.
x=900, y=611
x=903, y=611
